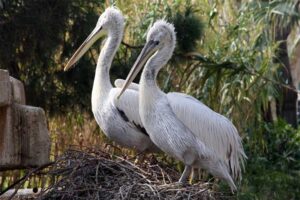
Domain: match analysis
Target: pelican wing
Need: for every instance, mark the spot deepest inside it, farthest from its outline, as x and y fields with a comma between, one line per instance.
x=120, y=82
x=128, y=106
x=213, y=129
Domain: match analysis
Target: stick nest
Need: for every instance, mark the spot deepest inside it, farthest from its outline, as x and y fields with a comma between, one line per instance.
x=92, y=174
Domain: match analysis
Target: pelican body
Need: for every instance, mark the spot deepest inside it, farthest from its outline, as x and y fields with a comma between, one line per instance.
x=179, y=124
x=119, y=120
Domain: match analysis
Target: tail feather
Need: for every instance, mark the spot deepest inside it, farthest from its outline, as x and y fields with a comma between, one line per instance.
x=217, y=168
x=237, y=156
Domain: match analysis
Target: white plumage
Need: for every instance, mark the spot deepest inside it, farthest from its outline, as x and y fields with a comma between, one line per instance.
x=213, y=129
x=120, y=122
x=219, y=134
x=120, y=82
x=179, y=124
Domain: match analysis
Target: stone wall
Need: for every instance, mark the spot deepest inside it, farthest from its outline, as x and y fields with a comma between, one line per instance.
x=24, y=137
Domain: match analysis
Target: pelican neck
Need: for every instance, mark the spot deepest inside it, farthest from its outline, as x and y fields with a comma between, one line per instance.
x=102, y=84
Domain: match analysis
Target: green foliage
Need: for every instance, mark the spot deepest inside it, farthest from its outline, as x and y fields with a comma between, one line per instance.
x=273, y=169
x=283, y=147
x=189, y=29
x=36, y=37
x=284, y=13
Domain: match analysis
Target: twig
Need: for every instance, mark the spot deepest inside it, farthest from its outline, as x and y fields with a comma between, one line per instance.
x=92, y=174
x=19, y=182
x=131, y=46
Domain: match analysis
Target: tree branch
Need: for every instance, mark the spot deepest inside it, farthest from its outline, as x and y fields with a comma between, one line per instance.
x=130, y=46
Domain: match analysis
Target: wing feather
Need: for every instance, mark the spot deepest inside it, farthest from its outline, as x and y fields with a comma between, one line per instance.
x=120, y=82
x=128, y=103
x=213, y=129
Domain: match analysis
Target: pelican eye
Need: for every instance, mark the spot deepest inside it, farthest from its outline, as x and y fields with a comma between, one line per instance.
x=155, y=42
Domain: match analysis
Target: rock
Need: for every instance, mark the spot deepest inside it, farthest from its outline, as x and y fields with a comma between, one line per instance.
x=24, y=137
x=10, y=148
x=18, y=91
x=5, y=91
x=30, y=123
x=27, y=194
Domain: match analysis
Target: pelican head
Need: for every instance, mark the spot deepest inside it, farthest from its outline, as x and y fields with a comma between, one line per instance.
x=110, y=22
x=161, y=41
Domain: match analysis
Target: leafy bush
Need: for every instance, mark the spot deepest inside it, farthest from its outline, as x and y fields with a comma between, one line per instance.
x=273, y=168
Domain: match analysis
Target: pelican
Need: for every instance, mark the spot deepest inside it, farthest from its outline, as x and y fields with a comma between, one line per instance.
x=179, y=124
x=119, y=121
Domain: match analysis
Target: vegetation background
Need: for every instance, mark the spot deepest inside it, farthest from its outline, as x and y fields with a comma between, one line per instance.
x=231, y=55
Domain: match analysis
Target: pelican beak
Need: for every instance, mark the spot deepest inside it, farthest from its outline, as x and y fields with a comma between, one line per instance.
x=149, y=49
x=89, y=41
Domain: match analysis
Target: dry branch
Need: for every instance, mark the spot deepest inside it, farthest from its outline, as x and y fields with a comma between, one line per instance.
x=94, y=174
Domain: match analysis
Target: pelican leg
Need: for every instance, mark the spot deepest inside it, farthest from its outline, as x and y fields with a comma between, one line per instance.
x=195, y=175
x=186, y=173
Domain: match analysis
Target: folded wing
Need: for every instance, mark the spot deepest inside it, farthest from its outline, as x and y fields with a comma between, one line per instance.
x=213, y=129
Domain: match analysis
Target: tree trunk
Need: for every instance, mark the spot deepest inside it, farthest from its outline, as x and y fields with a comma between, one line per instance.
x=288, y=104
